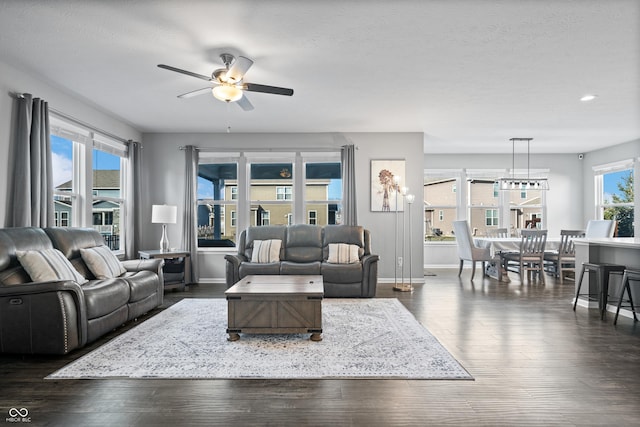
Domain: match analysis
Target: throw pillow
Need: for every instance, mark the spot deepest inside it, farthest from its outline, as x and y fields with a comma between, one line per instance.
x=47, y=265
x=265, y=251
x=343, y=253
x=102, y=262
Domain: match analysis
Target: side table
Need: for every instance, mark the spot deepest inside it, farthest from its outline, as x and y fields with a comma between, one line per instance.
x=171, y=283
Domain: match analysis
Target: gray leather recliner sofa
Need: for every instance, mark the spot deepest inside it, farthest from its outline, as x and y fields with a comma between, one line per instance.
x=59, y=316
x=304, y=250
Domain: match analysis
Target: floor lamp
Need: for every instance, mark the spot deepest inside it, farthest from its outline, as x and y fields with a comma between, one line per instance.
x=403, y=287
x=396, y=187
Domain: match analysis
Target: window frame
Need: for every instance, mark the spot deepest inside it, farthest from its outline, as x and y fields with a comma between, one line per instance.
x=599, y=171
x=464, y=207
x=84, y=140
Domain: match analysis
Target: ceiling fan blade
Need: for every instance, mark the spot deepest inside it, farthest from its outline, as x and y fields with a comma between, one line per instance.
x=237, y=71
x=188, y=73
x=195, y=92
x=253, y=87
x=244, y=103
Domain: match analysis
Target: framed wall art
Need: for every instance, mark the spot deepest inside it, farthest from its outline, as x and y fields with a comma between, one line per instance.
x=387, y=177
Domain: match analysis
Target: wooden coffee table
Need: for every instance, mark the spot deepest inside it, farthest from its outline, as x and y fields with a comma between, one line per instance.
x=275, y=304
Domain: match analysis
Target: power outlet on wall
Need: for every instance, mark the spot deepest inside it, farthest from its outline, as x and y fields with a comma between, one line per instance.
x=400, y=260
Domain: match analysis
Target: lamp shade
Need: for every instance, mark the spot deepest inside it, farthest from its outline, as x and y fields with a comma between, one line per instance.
x=164, y=214
x=227, y=93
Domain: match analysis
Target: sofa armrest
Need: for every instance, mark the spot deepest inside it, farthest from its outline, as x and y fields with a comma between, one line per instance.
x=153, y=264
x=45, y=317
x=233, y=268
x=369, y=275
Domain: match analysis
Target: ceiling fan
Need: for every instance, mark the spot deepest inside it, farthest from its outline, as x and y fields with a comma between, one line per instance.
x=228, y=83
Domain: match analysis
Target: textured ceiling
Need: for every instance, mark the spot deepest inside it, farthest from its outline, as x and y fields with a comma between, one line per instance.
x=470, y=74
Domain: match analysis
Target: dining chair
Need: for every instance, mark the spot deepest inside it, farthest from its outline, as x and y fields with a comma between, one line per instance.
x=530, y=258
x=467, y=251
x=564, y=259
x=497, y=232
x=600, y=228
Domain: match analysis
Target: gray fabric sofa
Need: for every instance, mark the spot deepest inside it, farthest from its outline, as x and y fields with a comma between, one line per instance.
x=57, y=317
x=305, y=250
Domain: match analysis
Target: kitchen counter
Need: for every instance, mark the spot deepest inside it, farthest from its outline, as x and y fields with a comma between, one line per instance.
x=615, y=250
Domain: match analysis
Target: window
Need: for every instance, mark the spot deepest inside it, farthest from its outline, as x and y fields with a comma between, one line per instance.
x=323, y=190
x=615, y=197
x=94, y=198
x=270, y=192
x=312, y=218
x=107, y=201
x=483, y=206
x=480, y=202
x=263, y=188
x=265, y=218
x=217, y=193
x=61, y=218
x=440, y=197
x=284, y=193
x=491, y=217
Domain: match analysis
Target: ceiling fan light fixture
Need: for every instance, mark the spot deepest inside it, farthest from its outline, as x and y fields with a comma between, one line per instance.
x=227, y=93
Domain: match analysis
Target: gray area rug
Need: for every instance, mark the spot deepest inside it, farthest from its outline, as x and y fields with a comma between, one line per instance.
x=362, y=338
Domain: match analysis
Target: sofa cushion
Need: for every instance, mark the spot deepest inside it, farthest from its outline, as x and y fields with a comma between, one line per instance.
x=48, y=265
x=343, y=253
x=102, y=262
x=105, y=296
x=288, y=267
x=303, y=243
x=349, y=234
x=266, y=232
x=266, y=251
x=341, y=273
x=20, y=239
x=249, y=268
x=142, y=284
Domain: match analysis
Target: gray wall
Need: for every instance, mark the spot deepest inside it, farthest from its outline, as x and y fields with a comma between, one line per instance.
x=13, y=80
x=166, y=181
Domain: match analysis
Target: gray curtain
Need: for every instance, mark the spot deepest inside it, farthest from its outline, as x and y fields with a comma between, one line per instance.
x=189, y=232
x=134, y=193
x=349, y=203
x=31, y=191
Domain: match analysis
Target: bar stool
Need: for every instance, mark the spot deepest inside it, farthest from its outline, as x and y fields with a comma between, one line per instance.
x=629, y=279
x=602, y=272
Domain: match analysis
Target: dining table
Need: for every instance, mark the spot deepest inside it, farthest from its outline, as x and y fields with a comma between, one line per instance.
x=498, y=245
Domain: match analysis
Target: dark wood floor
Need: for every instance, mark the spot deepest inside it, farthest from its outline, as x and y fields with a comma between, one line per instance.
x=535, y=362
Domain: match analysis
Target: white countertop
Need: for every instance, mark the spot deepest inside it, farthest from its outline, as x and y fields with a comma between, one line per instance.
x=618, y=242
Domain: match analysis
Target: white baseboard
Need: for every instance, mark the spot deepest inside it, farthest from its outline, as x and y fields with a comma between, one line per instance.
x=610, y=308
x=391, y=280
x=213, y=281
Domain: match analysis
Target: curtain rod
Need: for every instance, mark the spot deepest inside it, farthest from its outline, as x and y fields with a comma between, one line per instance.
x=72, y=119
x=258, y=150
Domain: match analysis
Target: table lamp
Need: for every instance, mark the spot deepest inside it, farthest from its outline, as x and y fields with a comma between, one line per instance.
x=164, y=214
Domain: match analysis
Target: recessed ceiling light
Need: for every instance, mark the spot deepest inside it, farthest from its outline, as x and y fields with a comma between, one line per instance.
x=588, y=98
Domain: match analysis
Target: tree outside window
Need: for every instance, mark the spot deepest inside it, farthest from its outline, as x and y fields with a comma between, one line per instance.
x=618, y=201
